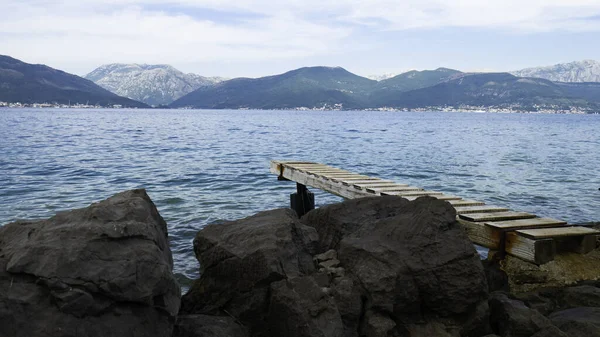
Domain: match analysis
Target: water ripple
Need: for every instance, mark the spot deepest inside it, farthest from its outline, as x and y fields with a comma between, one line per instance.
x=203, y=167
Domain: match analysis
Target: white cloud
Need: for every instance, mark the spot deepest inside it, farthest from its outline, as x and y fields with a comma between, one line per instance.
x=78, y=35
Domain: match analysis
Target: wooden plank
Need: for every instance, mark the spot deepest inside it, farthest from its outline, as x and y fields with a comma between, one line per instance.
x=496, y=216
x=479, y=209
x=466, y=203
x=397, y=187
x=525, y=224
x=351, y=179
x=440, y=197
x=481, y=234
x=375, y=183
x=384, y=187
x=544, y=233
x=317, y=182
x=412, y=193
x=536, y=251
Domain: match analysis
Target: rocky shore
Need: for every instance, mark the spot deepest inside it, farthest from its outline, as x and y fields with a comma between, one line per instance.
x=364, y=267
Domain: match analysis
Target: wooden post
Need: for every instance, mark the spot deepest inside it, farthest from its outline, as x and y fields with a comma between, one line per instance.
x=302, y=201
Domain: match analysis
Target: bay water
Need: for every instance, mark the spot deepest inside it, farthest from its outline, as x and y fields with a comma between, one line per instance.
x=208, y=166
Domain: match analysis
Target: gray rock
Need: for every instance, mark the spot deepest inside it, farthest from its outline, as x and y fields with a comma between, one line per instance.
x=330, y=264
x=580, y=296
x=417, y=264
x=104, y=270
x=300, y=308
x=333, y=222
x=550, y=331
x=240, y=259
x=512, y=318
x=576, y=322
x=207, y=326
x=328, y=255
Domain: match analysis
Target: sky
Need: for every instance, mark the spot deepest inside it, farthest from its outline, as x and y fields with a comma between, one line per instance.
x=260, y=37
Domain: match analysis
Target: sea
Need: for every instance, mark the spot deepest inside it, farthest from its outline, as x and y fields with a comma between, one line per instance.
x=204, y=167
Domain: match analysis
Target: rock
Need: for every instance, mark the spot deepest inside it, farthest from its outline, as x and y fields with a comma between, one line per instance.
x=550, y=331
x=207, y=326
x=329, y=264
x=347, y=294
x=584, y=321
x=416, y=264
x=104, y=270
x=328, y=255
x=580, y=296
x=299, y=308
x=240, y=259
x=512, y=318
x=379, y=325
x=566, y=269
x=335, y=221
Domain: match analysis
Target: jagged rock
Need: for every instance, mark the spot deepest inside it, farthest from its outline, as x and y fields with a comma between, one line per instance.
x=379, y=325
x=240, y=259
x=512, y=318
x=300, y=308
x=576, y=322
x=550, y=331
x=329, y=264
x=328, y=255
x=333, y=222
x=104, y=270
x=207, y=326
x=580, y=296
x=347, y=294
x=415, y=264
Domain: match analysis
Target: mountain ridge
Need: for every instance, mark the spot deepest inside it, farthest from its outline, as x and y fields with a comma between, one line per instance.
x=576, y=71
x=37, y=83
x=153, y=84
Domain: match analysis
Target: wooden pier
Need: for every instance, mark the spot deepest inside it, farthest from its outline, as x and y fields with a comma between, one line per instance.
x=520, y=234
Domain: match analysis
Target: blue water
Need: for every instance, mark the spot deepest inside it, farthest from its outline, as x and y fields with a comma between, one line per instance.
x=203, y=167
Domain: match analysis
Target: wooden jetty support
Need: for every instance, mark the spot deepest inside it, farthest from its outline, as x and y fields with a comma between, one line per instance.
x=520, y=234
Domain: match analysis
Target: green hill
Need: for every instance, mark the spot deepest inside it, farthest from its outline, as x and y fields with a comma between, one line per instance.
x=36, y=83
x=305, y=87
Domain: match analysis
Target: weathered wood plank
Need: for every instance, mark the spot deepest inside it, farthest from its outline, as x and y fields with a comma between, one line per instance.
x=397, y=187
x=481, y=234
x=479, y=209
x=536, y=251
x=466, y=203
x=440, y=197
x=373, y=182
x=544, y=233
x=412, y=193
x=499, y=216
x=525, y=224
x=318, y=182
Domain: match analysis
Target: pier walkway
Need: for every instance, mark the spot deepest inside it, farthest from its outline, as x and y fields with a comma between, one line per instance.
x=521, y=234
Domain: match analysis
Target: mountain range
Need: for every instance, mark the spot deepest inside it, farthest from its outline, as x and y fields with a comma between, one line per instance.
x=308, y=87
x=35, y=83
x=580, y=71
x=152, y=84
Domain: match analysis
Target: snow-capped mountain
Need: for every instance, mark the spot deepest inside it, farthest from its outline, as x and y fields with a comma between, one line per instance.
x=579, y=71
x=381, y=77
x=151, y=84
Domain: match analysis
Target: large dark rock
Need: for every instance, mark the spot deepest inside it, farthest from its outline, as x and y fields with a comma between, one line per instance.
x=240, y=259
x=300, y=308
x=512, y=318
x=415, y=265
x=578, y=322
x=104, y=270
x=398, y=268
x=335, y=221
x=208, y=326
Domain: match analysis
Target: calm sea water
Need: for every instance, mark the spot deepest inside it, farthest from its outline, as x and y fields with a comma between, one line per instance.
x=202, y=167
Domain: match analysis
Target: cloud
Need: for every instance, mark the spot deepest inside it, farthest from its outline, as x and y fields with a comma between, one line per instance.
x=79, y=35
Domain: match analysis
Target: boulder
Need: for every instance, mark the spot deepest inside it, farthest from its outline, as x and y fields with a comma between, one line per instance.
x=335, y=221
x=104, y=270
x=579, y=296
x=240, y=259
x=207, y=326
x=512, y=318
x=576, y=322
x=300, y=308
x=413, y=261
